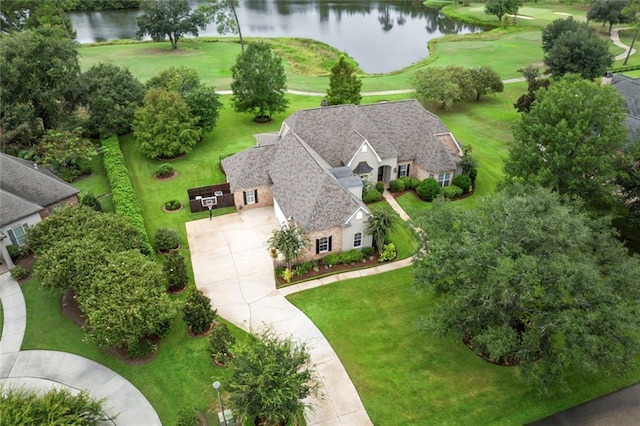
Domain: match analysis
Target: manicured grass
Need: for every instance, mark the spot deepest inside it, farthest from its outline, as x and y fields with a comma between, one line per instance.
x=178, y=378
x=97, y=183
x=626, y=37
x=486, y=126
x=405, y=377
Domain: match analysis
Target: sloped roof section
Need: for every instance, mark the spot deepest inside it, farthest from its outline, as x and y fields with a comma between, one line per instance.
x=629, y=88
x=306, y=190
x=249, y=168
x=26, y=187
x=413, y=130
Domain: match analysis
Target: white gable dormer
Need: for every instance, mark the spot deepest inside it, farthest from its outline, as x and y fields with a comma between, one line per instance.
x=365, y=152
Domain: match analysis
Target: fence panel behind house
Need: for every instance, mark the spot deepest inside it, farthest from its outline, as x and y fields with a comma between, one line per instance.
x=222, y=193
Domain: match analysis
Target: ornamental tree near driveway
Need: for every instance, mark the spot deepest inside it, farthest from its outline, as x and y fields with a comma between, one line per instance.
x=259, y=82
x=379, y=225
x=525, y=279
x=290, y=241
x=173, y=19
x=570, y=140
x=270, y=377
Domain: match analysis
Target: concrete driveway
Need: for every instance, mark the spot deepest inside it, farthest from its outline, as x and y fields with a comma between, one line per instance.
x=232, y=266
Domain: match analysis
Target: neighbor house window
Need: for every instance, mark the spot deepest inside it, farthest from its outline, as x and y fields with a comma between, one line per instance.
x=357, y=240
x=403, y=170
x=18, y=234
x=251, y=197
x=444, y=179
x=323, y=245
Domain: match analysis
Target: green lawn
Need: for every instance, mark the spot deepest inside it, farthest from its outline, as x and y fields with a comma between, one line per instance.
x=97, y=184
x=405, y=377
x=178, y=378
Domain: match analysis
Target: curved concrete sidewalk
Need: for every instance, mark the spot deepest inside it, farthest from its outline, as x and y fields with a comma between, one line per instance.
x=44, y=370
x=615, y=38
x=232, y=266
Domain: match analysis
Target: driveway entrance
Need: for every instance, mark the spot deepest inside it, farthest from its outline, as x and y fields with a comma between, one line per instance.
x=232, y=266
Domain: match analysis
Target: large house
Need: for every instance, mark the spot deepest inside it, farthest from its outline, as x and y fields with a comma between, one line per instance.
x=28, y=194
x=312, y=170
x=629, y=88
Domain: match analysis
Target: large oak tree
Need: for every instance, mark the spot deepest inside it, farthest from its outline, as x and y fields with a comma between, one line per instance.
x=525, y=279
x=170, y=18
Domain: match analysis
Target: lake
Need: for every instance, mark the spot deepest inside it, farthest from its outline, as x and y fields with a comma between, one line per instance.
x=382, y=36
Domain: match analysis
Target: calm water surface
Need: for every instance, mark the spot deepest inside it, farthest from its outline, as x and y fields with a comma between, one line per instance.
x=381, y=35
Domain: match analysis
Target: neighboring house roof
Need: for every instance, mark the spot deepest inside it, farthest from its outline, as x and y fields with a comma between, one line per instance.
x=629, y=88
x=249, y=168
x=306, y=190
x=25, y=187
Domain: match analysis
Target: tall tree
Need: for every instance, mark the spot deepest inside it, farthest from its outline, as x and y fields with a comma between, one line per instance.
x=259, y=82
x=485, y=80
x=290, y=241
x=569, y=140
x=610, y=12
x=380, y=224
x=19, y=15
x=633, y=10
x=173, y=19
x=111, y=95
x=164, y=126
x=344, y=84
x=224, y=14
x=40, y=72
x=443, y=86
x=582, y=52
x=527, y=280
x=500, y=8
x=270, y=379
x=551, y=32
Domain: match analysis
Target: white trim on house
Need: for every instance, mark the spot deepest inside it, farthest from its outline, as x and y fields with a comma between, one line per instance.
x=455, y=141
x=359, y=209
x=284, y=129
x=359, y=150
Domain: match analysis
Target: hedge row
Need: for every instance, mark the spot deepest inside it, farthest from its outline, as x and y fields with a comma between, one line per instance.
x=124, y=197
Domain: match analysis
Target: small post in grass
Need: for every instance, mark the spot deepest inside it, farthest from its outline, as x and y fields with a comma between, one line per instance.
x=216, y=386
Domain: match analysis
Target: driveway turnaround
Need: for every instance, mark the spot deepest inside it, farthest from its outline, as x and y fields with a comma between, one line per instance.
x=44, y=370
x=232, y=266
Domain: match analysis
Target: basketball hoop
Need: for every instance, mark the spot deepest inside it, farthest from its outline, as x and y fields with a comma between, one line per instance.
x=209, y=202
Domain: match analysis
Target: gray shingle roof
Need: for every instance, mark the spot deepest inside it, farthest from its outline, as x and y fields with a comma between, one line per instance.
x=629, y=88
x=34, y=186
x=306, y=190
x=249, y=168
x=413, y=130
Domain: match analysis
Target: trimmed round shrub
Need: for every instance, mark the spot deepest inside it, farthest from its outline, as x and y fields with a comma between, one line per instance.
x=371, y=196
x=463, y=182
x=368, y=251
x=414, y=183
x=164, y=170
x=197, y=311
x=19, y=273
x=331, y=259
x=428, y=189
x=396, y=185
x=166, y=239
x=406, y=180
x=176, y=271
x=172, y=205
x=380, y=186
x=91, y=201
x=220, y=342
x=452, y=191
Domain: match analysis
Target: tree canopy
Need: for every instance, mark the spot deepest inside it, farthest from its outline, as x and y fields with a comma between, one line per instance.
x=173, y=19
x=611, y=12
x=259, y=83
x=62, y=150
x=571, y=47
x=39, y=89
x=344, y=84
x=500, y=8
x=20, y=15
x=111, y=95
x=270, y=378
x=570, y=139
x=290, y=241
x=524, y=279
x=223, y=12
x=164, y=126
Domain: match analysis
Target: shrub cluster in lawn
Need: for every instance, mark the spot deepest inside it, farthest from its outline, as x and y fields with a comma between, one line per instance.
x=125, y=200
x=372, y=195
x=197, y=311
x=463, y=182
x=19, y=272
x=175, y=270
x=351, y=256
x=166, y=239
x=452, y=191
x=91, y=201
x=396, y=185
x=220, y=342
x=164, y=170
x=388, y=253
x=428, y=189
x=331, y=259
x=380, y=186
x=302, y=268
x=172, y=205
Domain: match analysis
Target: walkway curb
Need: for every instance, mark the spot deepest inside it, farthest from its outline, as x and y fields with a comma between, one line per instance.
x=15, y=314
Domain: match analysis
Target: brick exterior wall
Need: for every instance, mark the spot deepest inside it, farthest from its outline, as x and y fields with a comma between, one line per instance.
x=73, y=200
x=265, y=197
x=336, y=243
